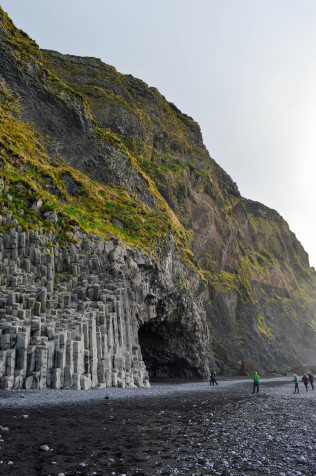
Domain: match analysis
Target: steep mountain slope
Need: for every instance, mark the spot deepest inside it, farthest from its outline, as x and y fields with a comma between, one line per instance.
x=261, y=291
x=43, y=123
x=108, y=154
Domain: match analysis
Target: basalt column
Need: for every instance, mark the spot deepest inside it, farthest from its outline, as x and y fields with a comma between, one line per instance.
x=65, y=320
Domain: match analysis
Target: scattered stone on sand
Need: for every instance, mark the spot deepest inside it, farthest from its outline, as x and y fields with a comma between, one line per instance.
x=140, y=433
x=44, y=448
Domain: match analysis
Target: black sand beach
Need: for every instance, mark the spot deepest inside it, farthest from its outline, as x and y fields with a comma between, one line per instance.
x=169, y=429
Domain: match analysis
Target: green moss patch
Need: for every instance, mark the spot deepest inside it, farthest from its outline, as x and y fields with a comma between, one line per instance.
x=29, y=178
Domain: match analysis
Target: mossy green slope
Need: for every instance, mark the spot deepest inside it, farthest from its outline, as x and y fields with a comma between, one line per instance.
x=31, y=176
x=166, y=143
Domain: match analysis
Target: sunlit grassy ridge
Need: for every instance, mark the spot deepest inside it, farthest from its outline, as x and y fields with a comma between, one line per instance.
x=26, y=52
x=23, y=48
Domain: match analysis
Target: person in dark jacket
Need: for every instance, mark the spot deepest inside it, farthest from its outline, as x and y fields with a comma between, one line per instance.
x=305, y=381
x=296, y=384
x=311, y=379
x=213, y=378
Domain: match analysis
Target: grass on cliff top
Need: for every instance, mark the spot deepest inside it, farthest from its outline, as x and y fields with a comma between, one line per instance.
x=23, y=48
x=25, y=51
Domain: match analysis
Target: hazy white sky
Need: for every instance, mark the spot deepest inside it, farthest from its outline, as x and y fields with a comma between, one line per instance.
x=245, y=70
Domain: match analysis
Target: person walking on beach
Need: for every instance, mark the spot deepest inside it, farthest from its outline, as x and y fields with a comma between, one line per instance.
x=311, y=379
x=213, y=378
x=305, y=381
x=256, y=380
x=296, y=384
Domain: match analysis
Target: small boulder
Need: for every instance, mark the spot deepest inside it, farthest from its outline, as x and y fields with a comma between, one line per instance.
x=44, y=448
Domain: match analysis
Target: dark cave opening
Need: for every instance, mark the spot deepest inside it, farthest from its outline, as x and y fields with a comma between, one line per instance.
x=160, y=351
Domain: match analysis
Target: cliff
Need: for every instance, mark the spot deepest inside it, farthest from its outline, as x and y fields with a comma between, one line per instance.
x=186, y=266
x=260, y=297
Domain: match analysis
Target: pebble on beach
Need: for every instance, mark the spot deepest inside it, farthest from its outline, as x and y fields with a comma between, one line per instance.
x=168, y=429
x=44, y=448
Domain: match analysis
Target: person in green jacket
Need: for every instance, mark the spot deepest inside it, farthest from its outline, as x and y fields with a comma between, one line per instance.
x=256, y=380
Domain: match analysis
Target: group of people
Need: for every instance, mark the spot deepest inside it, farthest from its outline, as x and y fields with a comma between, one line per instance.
x=306, y=379
x=213, y=380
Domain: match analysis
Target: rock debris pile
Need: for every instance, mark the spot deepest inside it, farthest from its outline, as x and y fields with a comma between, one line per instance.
x=67, y=315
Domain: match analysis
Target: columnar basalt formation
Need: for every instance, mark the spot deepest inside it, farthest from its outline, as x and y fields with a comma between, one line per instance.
x=79, y=331
x=70, y=314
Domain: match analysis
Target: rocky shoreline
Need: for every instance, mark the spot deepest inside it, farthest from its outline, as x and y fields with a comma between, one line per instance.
x=171, y=428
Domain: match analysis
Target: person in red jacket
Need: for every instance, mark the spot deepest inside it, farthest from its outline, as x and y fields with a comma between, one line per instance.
x=305, y=381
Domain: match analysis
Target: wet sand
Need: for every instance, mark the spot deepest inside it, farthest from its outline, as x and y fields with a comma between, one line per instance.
x=171, y=428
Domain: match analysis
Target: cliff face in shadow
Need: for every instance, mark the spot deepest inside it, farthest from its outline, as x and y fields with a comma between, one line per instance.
x=111, y=156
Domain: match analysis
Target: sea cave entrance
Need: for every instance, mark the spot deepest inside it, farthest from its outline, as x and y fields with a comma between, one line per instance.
x=163, y=351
